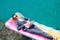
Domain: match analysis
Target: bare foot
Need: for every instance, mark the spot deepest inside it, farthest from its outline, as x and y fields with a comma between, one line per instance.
x=55, y=39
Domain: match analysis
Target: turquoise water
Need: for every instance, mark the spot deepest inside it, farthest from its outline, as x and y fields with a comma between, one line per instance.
x=46, y=12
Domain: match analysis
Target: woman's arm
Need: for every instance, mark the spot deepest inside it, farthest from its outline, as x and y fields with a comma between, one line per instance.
x=19, y=27
x=28, y=24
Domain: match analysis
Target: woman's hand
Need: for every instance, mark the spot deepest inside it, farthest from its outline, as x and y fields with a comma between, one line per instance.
x=28, y=24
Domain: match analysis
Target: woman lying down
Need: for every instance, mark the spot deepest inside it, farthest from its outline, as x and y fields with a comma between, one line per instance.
x=28, y=26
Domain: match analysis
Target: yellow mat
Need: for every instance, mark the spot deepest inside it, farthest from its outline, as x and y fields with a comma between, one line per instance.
x=49, y=30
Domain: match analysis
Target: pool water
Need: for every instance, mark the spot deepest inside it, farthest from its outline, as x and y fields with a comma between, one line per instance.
x=46, y=12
